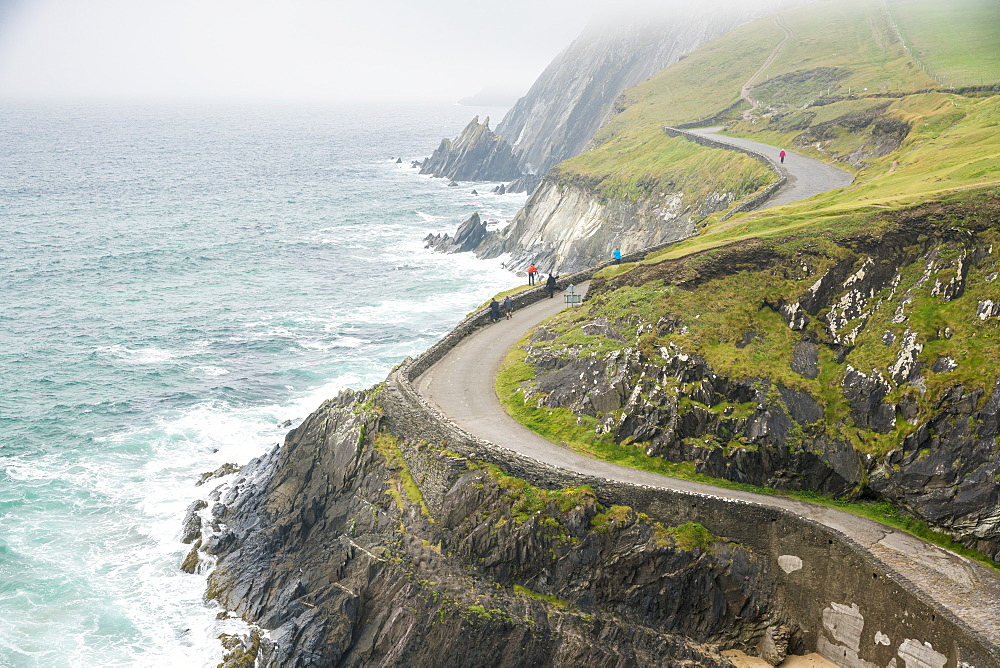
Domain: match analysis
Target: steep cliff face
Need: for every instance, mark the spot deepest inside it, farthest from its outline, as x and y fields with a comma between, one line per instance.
x=855, y=366
x=476, y=155
x=576, y=93
x=565, y=228
x=353, y=547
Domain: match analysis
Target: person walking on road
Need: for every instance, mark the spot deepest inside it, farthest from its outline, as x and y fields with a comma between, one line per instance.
x=781, y=156
x=532, y=274
x=494, y=310
x=550, y=285
x=507, y=306
x=617, y=256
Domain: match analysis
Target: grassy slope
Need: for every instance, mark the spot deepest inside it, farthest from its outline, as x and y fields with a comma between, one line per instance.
x=954, y=145
x=957, y=40
x=633, y=158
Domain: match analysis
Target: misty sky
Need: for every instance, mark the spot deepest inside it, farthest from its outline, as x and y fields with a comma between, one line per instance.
x=403, y=50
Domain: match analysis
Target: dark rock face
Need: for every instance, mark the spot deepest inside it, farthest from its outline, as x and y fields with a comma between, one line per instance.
x=947, y=470
x=476, y=155
x=805, y=359
x=525, y=184
x=631, y=398
x=469, y=235
x=316, y=549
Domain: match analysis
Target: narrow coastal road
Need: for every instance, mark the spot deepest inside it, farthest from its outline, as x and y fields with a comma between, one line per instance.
x=805, y=176
x=461, y=385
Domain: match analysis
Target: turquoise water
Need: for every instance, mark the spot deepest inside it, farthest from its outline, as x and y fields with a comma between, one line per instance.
x=176, y=282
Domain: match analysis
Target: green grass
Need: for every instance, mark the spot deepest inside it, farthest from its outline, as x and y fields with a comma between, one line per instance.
x=648, y=164
x=842, y=46
x=535, y=596
x=402, y=483
x=854, y=35
x=957, y=40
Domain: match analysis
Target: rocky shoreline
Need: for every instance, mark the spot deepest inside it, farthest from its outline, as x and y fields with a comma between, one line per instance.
x=352, y=546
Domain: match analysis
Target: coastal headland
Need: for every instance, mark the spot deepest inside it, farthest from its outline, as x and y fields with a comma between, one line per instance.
x=752, y=352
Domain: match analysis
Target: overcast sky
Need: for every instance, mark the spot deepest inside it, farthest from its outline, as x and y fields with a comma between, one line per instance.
x=402, y=50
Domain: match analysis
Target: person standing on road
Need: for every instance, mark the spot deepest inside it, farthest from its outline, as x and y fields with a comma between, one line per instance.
x=532, y=274
x=617, y=256
x=550, y=285
x=781, y=156
x=494, y=310
x=507, y=306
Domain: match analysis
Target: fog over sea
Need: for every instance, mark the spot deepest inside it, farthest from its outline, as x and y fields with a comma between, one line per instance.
x=175, y=282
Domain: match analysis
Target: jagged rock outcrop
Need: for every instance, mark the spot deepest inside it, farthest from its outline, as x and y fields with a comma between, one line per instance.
x=328, y=543
x=468, y=237
x=476, y=155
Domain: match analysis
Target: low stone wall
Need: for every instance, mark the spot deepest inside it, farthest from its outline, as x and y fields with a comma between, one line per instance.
x=844, y=602
x=753, y=201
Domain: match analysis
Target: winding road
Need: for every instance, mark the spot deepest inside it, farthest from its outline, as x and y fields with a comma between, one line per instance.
x=461, y=386
x=804, y=176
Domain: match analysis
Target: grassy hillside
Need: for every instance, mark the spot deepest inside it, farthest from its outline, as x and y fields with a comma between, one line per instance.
x=957, y=41
x=821, y=93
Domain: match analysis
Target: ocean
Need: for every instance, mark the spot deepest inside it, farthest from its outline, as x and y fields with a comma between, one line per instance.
x=176, y=282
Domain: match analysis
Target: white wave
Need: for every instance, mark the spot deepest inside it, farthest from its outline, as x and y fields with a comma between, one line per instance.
x=211, y=371
x=141, y=355
x=338, y=342
x=428, y=218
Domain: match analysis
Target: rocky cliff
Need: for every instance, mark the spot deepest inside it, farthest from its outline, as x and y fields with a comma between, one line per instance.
x=565, y=228
x=577, y=92
x=852, y=364
x=476, y=155
x=351, y=546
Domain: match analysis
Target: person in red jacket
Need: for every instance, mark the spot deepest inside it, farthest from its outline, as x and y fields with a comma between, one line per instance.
x=532, y=274
x=781, y=154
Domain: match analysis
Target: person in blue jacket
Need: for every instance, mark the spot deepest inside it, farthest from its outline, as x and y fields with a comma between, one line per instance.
x=617, y=255
x=508, y=306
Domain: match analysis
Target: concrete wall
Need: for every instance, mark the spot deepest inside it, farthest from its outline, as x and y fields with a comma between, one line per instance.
x=846, y=604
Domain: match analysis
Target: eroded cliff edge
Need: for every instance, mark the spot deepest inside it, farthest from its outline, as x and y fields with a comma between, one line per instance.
x=355, y=546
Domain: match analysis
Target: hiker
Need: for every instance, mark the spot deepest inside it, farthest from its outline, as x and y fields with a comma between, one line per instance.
x=494, y=310
x=508, y=306
x=532, y=274
x=781, y=155
x=617, y=255
x=550, y=285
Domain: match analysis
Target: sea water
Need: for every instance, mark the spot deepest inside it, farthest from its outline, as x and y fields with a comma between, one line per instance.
x=175, y=283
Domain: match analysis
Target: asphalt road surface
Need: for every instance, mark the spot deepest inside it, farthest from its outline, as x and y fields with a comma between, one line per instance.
x=805, y=176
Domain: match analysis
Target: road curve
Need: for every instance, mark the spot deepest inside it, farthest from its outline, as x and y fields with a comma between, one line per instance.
x=461, y=385
x=805, y=176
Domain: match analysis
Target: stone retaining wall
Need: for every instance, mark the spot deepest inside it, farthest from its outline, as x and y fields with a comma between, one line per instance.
x=845, y=603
